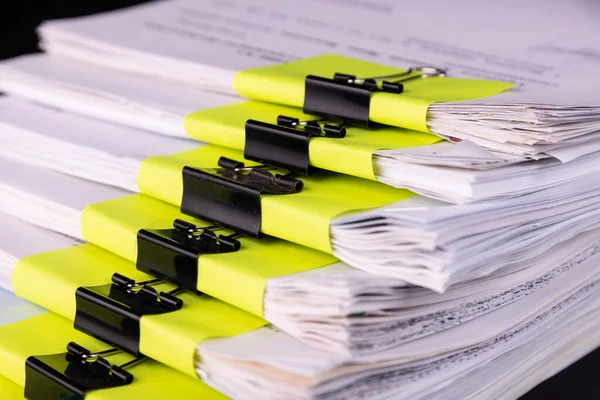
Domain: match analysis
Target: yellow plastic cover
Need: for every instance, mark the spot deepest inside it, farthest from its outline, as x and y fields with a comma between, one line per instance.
x=51, y=279
x=49, y=334
x=10, y=390
x=284, y=84
x=302, y=218
x=352, y=155
x=237, y=278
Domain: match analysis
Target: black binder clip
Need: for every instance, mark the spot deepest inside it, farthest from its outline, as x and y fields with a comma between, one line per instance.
x=229, y=196
x=349, y=98
x=285, y=145
x=112, y=312
x=172, y=254
x=72, y=374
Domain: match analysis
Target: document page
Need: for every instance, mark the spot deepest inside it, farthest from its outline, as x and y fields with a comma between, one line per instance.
x=519, y=41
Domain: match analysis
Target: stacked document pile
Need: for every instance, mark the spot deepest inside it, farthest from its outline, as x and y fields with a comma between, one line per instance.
x=267, y=249
x=358, y=334
x=415, y=239
x=550, y=110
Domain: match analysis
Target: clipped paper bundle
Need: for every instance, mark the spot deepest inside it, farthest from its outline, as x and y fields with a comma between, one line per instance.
x=306, y=293
x=408, y=226
x=244, y=360
x=398, y=234
x=454, y=172
x=550, y=109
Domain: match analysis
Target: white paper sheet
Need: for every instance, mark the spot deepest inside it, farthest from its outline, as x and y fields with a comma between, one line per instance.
x=241, y=34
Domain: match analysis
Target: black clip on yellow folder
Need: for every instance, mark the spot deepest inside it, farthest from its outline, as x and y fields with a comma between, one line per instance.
x=348, y=98
x=285, y=145
x=230, y=195
x=72, y=374
x=172, y=254
x=110, y=313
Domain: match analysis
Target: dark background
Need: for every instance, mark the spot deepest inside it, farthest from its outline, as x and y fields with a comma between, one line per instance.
x=18, y=20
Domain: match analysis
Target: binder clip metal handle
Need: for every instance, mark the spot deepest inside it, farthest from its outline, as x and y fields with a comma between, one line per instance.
x=371, y=83
x=313, y=127
x=258, y=177
x=145, y=289
x=74, y=373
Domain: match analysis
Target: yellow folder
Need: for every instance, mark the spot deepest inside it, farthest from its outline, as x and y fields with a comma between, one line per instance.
x=49, y=334
x=10, y=390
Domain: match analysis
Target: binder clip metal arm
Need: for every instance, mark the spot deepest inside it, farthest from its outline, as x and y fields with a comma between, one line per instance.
x=72, y=374
x=348, y=98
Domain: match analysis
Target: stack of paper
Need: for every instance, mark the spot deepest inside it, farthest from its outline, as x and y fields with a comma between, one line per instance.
x=531, y=124
x=491, y=333
x=550, y=109
x=335, y=307
x=411, y=378
x=128, y=99
x=417, y=240
x=159, y=107
x=112, y=154
x=407, y=267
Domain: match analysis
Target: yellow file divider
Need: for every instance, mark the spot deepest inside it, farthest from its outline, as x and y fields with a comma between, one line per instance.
x=284, y=84
x=50, y=333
